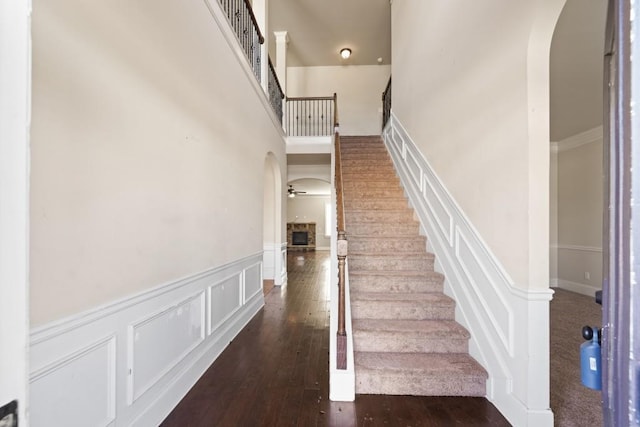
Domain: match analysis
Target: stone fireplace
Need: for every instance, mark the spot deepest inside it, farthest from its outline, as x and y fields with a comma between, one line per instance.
x=301, y=236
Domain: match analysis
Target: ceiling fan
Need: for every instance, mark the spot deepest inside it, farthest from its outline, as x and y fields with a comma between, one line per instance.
x=293, y=192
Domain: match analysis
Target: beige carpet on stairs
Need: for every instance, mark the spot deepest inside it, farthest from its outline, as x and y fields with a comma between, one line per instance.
x=406, y=340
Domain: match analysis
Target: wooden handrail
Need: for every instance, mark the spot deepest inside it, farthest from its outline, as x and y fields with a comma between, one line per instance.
x=342, y=248
x=386, y=104
x=275, y=77
x=310, y=98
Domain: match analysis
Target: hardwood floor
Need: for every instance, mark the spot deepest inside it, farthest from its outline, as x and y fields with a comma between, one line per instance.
x=276, y=372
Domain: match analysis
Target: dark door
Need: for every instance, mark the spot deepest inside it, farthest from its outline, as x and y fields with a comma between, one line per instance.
x=621, y=249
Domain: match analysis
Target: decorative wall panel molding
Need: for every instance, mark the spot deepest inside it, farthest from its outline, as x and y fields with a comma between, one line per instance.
x=155, y=347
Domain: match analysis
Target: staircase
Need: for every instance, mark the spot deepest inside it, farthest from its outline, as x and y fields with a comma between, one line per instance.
x=406, y=340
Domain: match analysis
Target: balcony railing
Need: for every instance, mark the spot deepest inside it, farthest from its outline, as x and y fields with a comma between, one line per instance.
x=276, y=94
x=311, y=116
x=241, y=18
x=386, y=104
x=244, y=23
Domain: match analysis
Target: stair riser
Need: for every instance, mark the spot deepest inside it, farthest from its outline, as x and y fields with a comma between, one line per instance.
x=361, y=155
x=377, y=246
x=385, y=204
x=369, y=177
x=353, y=194
x=373, y=185
x=386, y=264
x=392, y=383
x=370, y=166
x=399, y=342
x=408, y=310
x=367, y=229
x=403, y=216
x=351, y=153
x=384, y=284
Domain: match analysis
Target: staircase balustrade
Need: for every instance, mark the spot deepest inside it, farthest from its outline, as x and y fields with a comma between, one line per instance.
x=386, y=104
x=243, y=21
x=311, y=116
x=241, y=18
x=276, y=94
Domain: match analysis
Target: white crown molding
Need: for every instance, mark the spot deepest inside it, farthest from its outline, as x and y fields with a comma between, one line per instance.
x=579, y=248
x=578, y=140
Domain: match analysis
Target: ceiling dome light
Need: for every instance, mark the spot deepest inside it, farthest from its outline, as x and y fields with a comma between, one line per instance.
x=345, y=53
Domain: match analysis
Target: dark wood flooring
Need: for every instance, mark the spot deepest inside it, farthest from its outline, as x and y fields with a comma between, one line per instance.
x=276, y=372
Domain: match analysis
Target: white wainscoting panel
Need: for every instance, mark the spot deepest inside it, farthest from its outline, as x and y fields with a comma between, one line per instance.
x=270, y=252
x=225, y=298
x=155, y=346
x=78, y=400
x=252, y=282
x=183, y=322
x=282, y=264
x=503, y=320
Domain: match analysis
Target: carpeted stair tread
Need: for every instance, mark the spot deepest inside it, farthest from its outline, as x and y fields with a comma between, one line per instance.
x=401, y=281
x=373, y=204
x=427, y=328
x=409, y=336
x=383, y=193
x=349, y=186
x=390, y=256
x=373, y=229
x=374, y=245
x=432, y=298
x=425, y=374
x=411, y=262
x=421, y=275
x=382, y=216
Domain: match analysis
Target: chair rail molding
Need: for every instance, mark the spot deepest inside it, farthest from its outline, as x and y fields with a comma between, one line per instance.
x=132, y=361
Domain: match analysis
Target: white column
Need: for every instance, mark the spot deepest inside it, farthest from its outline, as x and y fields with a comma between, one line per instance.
x=282, y=39
x=261, y=12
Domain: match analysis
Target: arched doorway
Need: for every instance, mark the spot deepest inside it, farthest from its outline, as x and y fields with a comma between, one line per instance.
x=274, y=271
x=576, y=200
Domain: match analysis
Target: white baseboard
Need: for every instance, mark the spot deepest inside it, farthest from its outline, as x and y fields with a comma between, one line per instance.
x=580, y=288
x=132, y=361
x=504, y=321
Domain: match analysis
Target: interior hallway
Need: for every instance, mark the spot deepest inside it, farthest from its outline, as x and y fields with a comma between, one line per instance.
x=276, y=371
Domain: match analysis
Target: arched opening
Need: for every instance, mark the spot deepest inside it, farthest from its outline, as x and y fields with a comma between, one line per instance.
x=576, y=200
x=274, y=257
x=310, y=203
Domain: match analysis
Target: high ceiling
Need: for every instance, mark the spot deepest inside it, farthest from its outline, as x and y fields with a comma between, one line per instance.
x=577, y=61
x=317, y=31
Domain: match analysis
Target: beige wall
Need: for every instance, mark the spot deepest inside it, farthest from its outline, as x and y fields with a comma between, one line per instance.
x=475, y=98
x=148, y=151
x=310, y=209
x=359, y=90
x=580, y=205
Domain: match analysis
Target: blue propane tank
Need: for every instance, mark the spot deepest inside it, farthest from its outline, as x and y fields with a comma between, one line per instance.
x=591, y=359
